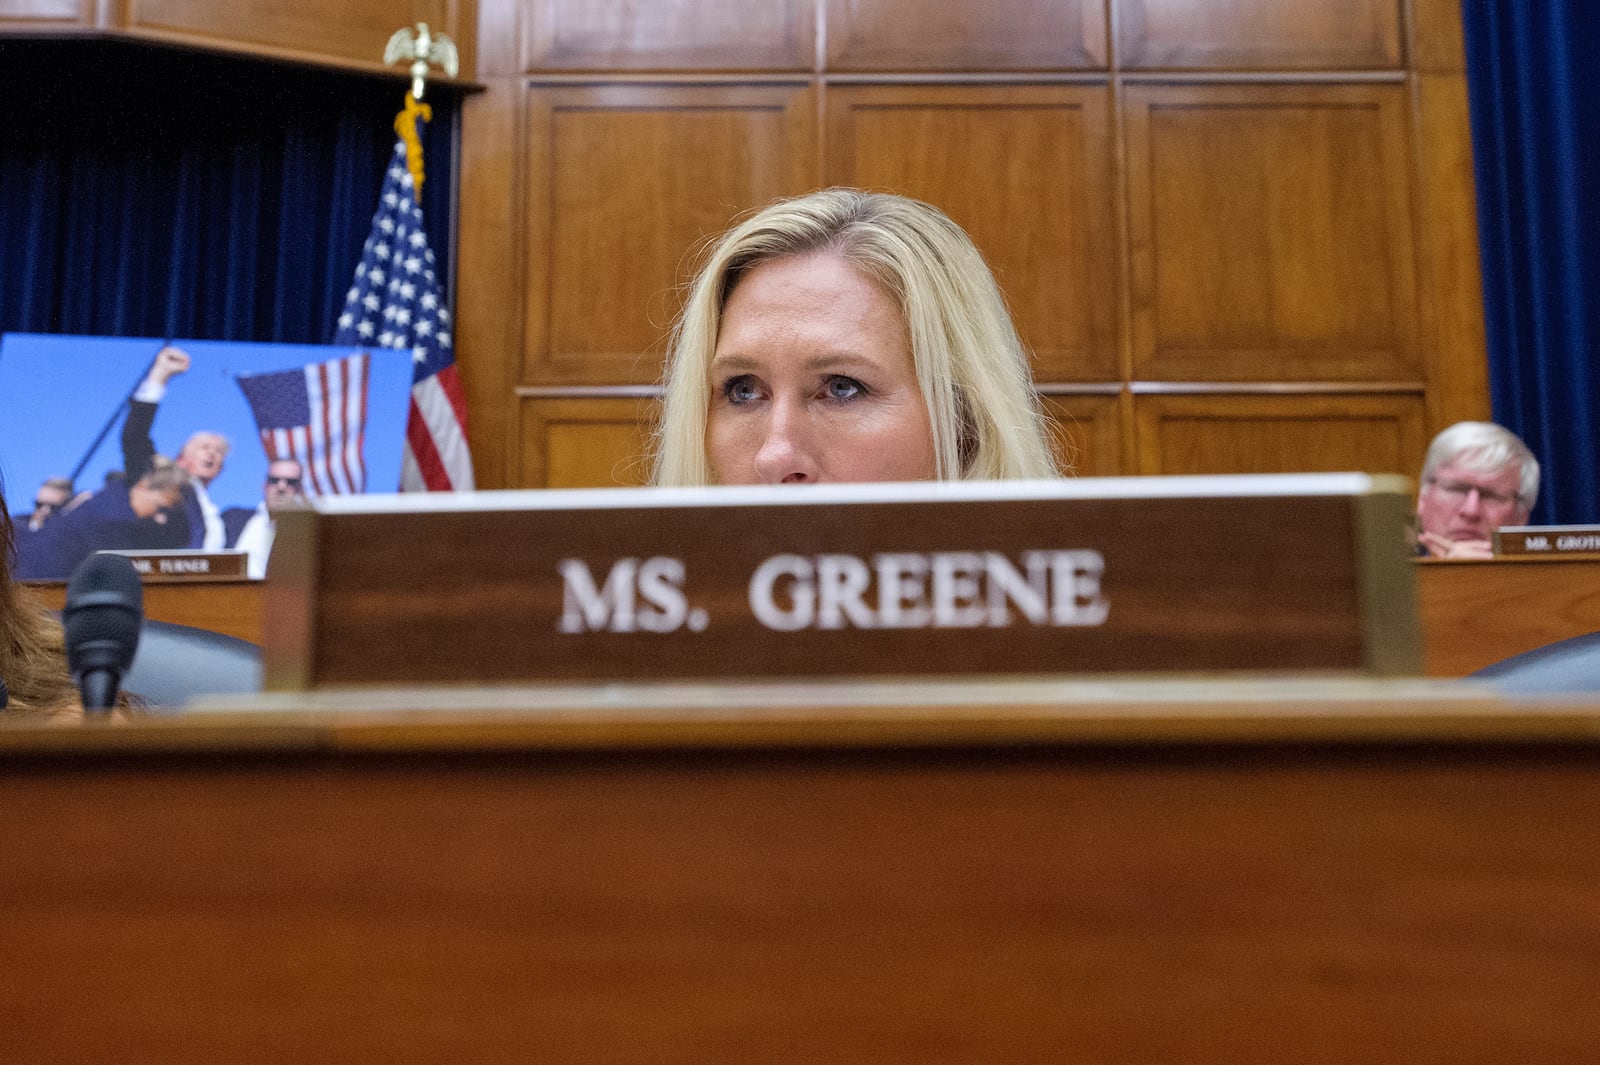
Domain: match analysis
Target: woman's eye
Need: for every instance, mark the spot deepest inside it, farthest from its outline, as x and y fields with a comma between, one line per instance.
x=843, y=388
x=739, y=390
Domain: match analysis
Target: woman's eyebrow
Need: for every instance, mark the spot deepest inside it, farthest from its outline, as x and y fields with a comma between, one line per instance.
x=839, y=360
x=826, y=361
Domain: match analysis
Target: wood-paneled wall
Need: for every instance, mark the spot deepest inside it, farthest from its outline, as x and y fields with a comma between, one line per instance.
x=1237, y=235
x=345, y=33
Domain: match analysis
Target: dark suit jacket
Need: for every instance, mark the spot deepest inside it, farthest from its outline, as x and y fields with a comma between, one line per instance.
x=104, y=520
x=139, y=451
x=233, y=521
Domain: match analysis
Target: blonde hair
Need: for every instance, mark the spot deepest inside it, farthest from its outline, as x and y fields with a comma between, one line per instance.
x=971, y=367
x=163, y=476
x=33, y=656
x=223, y=443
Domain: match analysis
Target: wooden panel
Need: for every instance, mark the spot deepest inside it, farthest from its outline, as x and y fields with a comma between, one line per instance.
x=1271, y=233
x=1280, y=433
x=350, y=31
x=585, y=443
x=229, y=607
x=1474, y=614
x=1414, y=903
x=30, y=15
x=1301, y=34
x=499, y=43
x=1085, y=434
x=1454, y=347
x=1031, y=183
x=489, y=288
x=669, y=35
x=625, y=184
x=996, y=35
x=1437, y=44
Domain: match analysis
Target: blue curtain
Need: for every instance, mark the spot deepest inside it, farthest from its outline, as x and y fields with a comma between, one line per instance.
x=165, y=193
x=1536, y=142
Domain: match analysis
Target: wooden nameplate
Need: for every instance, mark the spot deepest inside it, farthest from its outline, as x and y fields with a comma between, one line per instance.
x=1116, y=575
x=1544, y=541
x=181, y=566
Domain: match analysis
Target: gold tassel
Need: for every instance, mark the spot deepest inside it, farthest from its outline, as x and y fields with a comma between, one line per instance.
x=405, y=124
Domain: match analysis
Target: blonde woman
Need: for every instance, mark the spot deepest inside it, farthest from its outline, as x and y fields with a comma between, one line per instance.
x=847, y=336
x=32, y=648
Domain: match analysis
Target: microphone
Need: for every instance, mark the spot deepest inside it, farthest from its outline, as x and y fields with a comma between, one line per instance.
x=103, y=611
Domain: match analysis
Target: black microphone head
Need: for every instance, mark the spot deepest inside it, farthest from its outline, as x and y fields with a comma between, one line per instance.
x=102, y=612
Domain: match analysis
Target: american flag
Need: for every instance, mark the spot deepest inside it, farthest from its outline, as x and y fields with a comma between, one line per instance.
x=316, y=415
x=394, y=302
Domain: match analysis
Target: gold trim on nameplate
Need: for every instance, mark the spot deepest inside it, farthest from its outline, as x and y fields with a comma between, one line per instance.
x=175, y=566
x=1390, y=628
x=1547, y=541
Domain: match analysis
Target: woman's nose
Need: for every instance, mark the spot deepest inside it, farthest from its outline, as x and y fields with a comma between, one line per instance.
x=787, y=454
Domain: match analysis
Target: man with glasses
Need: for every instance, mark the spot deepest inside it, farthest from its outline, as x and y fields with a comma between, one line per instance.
x=49, y=501
x=1476, y=478
x=252, y=531
x=140, y=515
x=54, y=494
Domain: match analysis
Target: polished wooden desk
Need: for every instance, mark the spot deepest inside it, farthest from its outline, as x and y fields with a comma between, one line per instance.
x=991, y=872
x=1475, y=613
x=231, y=607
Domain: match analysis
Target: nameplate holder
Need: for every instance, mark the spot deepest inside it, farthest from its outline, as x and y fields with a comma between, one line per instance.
x=1112, y=576
x=186, y=567
x=1547, y=541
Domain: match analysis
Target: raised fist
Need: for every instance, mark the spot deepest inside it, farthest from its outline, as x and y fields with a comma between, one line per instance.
x=170, y=362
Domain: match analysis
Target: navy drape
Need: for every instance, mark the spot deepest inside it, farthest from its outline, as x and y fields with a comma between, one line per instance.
x=165, y=193
x=1536, y=146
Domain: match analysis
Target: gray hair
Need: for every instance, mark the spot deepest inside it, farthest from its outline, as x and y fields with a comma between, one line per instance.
x=1484, y=447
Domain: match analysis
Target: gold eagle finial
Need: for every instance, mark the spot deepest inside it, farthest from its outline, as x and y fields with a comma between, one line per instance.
x=419, y=47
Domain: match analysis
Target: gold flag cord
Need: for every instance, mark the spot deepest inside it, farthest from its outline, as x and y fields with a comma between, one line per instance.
x=405, y=124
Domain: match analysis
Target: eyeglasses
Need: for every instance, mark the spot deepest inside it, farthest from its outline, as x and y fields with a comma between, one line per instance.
x=45, y=504
x=1460, y=490
x=287, y=482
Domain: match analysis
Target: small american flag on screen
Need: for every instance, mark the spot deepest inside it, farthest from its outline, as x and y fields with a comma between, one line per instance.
x=316, y=415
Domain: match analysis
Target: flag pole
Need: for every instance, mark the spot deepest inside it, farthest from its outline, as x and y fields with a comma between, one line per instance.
x=396, y=298
x=122, y=406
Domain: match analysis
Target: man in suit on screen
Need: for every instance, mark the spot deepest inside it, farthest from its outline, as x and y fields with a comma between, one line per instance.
x=252, y=531
x=136, y=515
x=202, y=456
